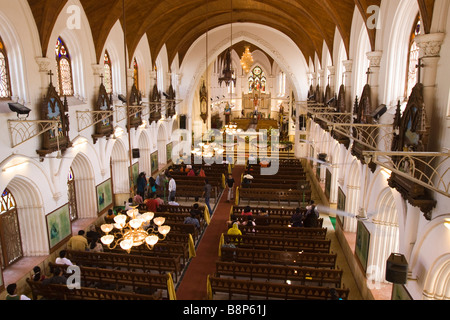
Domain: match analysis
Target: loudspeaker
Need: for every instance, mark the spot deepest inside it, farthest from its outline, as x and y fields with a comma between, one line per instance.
x=397, y=269
x=136, y=153
x=183, y=122
x=379, y=112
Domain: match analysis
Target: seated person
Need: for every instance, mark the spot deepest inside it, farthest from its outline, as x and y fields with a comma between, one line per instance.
x=109, y=218
x=247, y=211
x=250, y=222
x=196, y=211
x=62, y=259
x=311, y=220
x=234, y=230
x=191, y=173
x=57, y=278
x=192, y=220
x=172, y=202
x=297, y=218
x=263, y=212
x=151, y=203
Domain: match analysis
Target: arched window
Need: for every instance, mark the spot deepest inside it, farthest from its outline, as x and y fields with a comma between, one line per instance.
x=413, y=58
x=73, y=212
x=64, y=69
x=136, y=74
x=5, y=86
x=108, y=74
x=10, y=242
x=257, y=80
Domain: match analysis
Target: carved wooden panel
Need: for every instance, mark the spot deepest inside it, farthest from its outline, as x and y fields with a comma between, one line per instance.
x=105, y=127
x=135, y=99
x=155, y=104
x=53, y=108
x=412, y=131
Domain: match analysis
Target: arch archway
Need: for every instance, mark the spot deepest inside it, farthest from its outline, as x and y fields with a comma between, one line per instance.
x=119, y=168
x=385, y=235
x=144, y=150
x=31, y=214
x=162, y=142
x=84, y=187
x=353, y=195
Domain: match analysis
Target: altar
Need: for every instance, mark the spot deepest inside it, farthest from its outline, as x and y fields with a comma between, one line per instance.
x=256, y=104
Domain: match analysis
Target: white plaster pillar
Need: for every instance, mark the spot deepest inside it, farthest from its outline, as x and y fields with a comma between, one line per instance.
x=45, y=65
x=332, y=79
x=374, y=58
x=430, y=47
x=348, y=65
x=322, y=81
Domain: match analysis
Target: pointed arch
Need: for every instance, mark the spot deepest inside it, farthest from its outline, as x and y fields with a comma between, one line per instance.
x=5, y=82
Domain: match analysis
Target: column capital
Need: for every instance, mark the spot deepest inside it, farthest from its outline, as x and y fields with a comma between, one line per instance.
x=430, y=44
x=44, y=64
x=332, y=70
x=375, y=58
x=348, y=65
x=97, y=69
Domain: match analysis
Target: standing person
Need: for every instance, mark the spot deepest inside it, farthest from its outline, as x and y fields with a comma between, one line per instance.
x=78, y=242
x=172, y=187
x=141, y=184
x=95, y=246
x=12, y=293
x=37, y=274
x=230, y=185
x=152, y=185
x=207, y=195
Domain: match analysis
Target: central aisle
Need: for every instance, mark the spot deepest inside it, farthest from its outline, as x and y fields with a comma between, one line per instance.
x=193, y=283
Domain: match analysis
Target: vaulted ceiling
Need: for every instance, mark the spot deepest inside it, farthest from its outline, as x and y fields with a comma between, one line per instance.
x=178, y=23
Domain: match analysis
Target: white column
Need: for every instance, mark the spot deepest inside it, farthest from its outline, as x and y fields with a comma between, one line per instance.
x=44, y=68
x=430, y=47
x=374, y=64
x=332, y=82
x=348, y=64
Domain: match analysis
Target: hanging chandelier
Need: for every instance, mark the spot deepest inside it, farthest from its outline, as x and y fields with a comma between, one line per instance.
x=134, y=229
x=228, y=73
x=247, y=60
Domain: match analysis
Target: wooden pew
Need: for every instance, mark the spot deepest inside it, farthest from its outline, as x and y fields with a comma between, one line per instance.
x=62, y=292
x=268, y=220
x=303, y=275
x=127, y=261
x=280, y=243
x=280, y=231
x=268, y=195
x=267, y=290
x=286, y=258
x=137, y=282
x=179, y=218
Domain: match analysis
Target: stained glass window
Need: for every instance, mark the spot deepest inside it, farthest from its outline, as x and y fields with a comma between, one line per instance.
x=413, y=59
x=257, y=80
x=7, y=201
x=107, y=80
x=5, y=89
x=63, y=62
x=136, y=74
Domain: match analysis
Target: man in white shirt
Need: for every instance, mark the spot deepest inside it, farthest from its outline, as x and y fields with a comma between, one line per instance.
x=62, y=259
x=172, y=187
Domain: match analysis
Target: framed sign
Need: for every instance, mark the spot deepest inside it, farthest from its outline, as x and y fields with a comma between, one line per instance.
x=104, y=196
x=328, y=184
x=341, y=205
x=362, y=244
x=59, y=227
x=154, y=162
x=169, y=148
x=134, y=174
x=399, y=292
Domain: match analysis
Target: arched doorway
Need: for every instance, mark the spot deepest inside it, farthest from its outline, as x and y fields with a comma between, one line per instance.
x=144, y=155
x=72, y=196
x=385, y=235
x=81, y=188
x=119, y=169
x=353, y=194
x=10, y=240
x=162, y=142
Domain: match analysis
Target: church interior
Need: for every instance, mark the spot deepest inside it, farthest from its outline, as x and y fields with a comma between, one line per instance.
x=130, y=119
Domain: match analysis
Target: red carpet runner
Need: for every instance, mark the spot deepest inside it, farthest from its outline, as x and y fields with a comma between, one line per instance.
x=193, y=284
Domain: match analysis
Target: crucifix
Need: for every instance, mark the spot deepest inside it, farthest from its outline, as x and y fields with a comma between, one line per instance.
x=419, y=66
x=368, y=74
x=50, y=73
